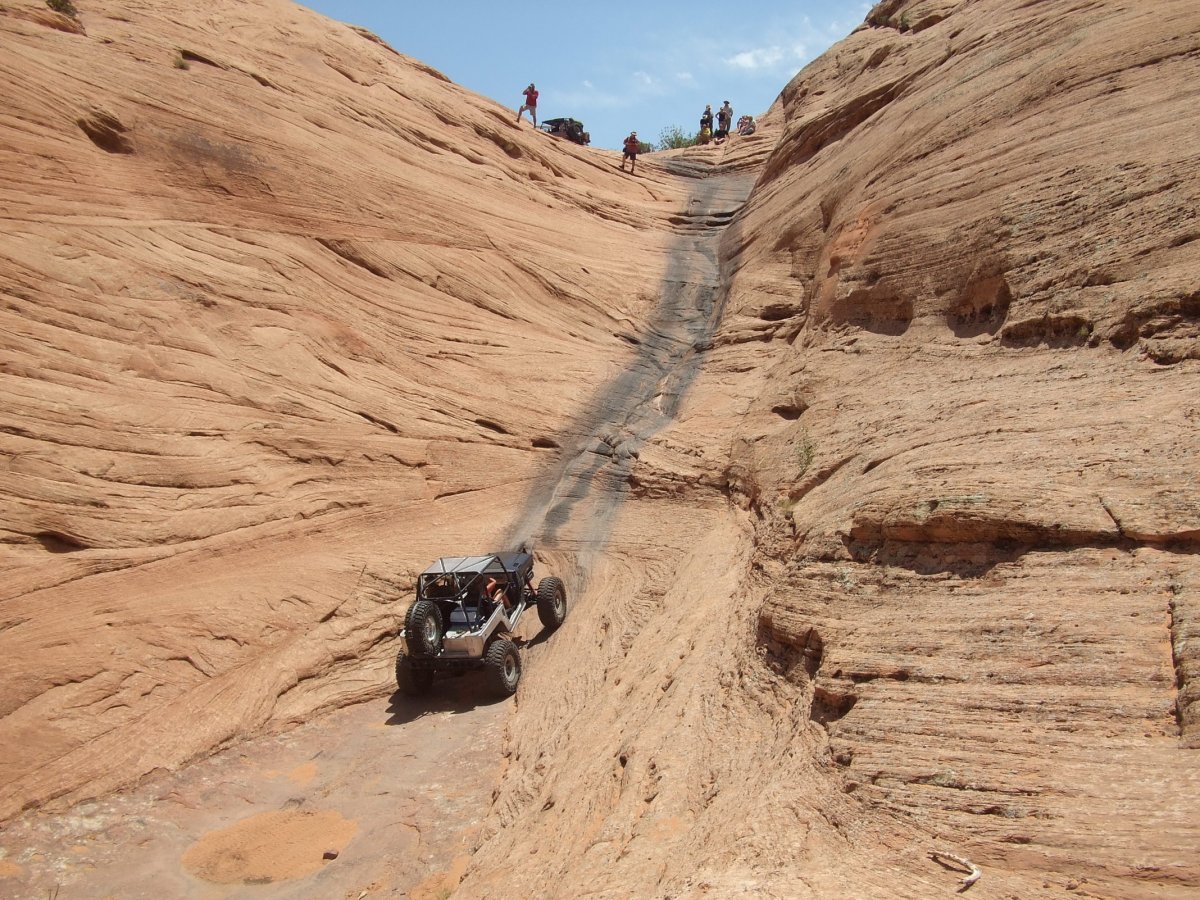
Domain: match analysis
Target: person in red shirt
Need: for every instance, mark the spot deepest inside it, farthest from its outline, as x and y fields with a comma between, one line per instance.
x=631, y=152
x=531, y=96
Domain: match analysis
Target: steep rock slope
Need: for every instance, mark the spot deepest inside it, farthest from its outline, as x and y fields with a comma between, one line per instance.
x=875, y=499
x=285, y=314
x=955, y=389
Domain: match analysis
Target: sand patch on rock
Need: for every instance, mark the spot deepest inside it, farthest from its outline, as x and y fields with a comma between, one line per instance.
x=274, y=846
x=10, y=869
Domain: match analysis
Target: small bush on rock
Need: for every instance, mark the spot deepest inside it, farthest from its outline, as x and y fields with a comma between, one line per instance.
x=673, y=138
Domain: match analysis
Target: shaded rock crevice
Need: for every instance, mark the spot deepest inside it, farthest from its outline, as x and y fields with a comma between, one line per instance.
x=1184, y=633
x=106, y=131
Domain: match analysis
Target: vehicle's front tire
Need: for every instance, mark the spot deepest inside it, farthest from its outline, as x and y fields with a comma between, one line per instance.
x=503, y=665
x=423, y=628
x=411, y=680
x=551, y=602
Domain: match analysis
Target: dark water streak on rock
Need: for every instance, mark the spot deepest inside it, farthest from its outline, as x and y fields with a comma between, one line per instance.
x=600, y=446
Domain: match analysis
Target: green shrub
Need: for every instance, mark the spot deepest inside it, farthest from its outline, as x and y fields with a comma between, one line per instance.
x=66, y=7
x=673, y=138
x=805, y=452
x=179, y=62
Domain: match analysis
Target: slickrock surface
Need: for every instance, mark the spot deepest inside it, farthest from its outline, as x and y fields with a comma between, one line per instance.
x=955, y=387
x=867, y=446
x=316, y=317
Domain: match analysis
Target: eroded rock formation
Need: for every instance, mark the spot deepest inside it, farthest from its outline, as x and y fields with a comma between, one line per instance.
x=285, y=315
x=867, y=445
x=955, y=389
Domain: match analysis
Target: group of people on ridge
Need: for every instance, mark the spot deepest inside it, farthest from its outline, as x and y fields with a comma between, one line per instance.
x=631, y=144
x=724, y=120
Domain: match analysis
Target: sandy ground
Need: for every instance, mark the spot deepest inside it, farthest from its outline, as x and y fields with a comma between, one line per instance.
x=396, y=788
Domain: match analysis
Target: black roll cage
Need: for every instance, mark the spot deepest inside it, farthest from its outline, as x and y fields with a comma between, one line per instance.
x=456, y=582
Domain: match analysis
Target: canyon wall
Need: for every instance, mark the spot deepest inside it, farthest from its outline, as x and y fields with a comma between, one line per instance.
x=960, y=347
x=286, y=314
x=867, y=446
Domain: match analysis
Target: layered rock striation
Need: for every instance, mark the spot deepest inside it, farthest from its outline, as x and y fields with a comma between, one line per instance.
x=285, y=315
x=954, y=390
x=866, y=445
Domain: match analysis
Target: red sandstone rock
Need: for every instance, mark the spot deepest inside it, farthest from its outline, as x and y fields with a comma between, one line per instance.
x=866, y=445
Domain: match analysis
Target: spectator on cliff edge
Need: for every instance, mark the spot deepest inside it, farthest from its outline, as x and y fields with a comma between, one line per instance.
x=631, y=152
x=531, y=95
x=724, y=120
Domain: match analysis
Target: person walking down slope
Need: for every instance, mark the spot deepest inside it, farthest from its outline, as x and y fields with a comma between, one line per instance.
x=531, y=95
x=631, y=152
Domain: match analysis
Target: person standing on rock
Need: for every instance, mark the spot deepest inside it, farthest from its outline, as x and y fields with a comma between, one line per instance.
x=724, y=120
x=631, y=151
x=531, y=95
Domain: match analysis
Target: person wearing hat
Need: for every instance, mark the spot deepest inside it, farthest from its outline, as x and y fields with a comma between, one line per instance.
x=724, y=120
x=531, y=95
x=631, y=152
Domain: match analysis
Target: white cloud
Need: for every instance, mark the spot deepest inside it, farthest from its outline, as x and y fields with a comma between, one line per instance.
x=777, y=48
x=638, y=85
x=768, y=59
x=759, y=58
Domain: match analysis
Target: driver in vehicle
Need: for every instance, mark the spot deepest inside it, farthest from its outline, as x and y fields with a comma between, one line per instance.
x=494, y=592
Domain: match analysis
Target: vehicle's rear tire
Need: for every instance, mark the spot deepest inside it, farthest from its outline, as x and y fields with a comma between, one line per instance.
x=503, y=665
x=551, y=602
x=412, y=681
x=423, y=628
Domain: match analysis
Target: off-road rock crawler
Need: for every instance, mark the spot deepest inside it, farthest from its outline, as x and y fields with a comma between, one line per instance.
x=571, y=129
x=454, y=624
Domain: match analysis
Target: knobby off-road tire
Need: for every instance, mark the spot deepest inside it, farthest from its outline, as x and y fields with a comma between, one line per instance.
x=551, y=602
x=411, y=680
x=503, y=665
x=423, y=628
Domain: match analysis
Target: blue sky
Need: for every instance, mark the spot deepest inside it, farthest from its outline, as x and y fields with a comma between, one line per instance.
x=616, y=66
